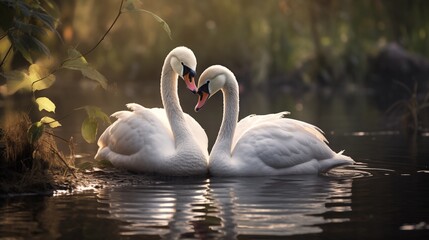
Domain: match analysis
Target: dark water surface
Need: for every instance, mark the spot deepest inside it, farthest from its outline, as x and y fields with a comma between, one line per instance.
x=384, y=196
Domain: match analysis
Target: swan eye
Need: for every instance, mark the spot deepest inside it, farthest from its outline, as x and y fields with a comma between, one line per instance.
x=204, y=88
x=187, y=70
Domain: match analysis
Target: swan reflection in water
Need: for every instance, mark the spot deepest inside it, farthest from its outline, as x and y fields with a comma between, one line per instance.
x=227, y=207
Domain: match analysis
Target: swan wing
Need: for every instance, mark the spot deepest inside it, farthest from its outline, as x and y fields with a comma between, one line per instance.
x=198, y=132
x=142, y=132
x=281, y=143
x=254, y=120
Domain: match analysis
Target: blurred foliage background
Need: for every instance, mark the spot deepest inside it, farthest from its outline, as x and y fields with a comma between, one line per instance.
x=281, y=51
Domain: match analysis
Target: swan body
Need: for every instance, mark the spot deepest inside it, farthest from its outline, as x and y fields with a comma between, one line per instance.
x=261, y=145
x=155, y=140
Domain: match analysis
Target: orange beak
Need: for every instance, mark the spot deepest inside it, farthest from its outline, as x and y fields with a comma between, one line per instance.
x=190, y=83
x=201, y=100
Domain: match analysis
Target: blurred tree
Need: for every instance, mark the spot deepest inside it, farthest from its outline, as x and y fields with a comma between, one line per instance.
x=25, y=23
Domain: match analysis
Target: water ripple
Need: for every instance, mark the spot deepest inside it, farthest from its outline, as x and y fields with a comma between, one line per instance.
x=228, y=207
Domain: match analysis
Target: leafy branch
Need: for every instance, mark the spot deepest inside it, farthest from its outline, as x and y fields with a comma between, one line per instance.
x=5, y=56
x=130, y=6
x=38, y=78
x=25, y=23
x=108, y=30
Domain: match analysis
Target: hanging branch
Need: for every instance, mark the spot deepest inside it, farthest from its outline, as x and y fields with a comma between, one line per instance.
x=5, y=56
x=107, y=32
x=87, y=52
x=157, y=18
x=3, y=36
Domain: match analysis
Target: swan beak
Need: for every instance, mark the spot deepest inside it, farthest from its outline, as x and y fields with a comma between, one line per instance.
x=201, y=100
x=190, y=83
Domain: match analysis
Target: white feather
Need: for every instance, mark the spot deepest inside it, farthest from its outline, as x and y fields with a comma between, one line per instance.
x=146, y=140
x=261, y=145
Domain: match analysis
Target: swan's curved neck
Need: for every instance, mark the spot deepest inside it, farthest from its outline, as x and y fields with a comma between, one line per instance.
x=223, y=142
x=170, y=100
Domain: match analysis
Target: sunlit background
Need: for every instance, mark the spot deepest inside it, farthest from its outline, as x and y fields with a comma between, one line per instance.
x=332, y=60
x=359, y=70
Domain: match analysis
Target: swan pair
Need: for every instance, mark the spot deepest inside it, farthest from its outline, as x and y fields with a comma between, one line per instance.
x=170, y=142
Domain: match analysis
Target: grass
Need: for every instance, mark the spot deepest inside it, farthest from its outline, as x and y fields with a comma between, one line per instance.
x=26, y=167
x=411, y=111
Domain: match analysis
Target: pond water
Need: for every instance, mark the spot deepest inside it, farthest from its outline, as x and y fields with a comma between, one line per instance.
x=384, y=196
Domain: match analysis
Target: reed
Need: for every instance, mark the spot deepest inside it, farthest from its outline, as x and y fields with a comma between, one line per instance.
x=410, y=111
x=25, y=166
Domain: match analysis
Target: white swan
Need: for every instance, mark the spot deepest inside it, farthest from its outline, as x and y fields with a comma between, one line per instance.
x=154, y=140
x=261, y=145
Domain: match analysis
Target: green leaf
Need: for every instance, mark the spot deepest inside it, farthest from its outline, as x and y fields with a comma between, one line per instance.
x=90, y=124
x=45, y=18
x=16, y=80
x=45, y=103
x=39, y=46
x=40, y=77
x=36, y=78
x=77, y=62
x=89, y=129
x=161, y=21
x=20, y=43
x=97, y=113
x=50, y=121
x=26, y=23
x=28, y=28
x=131, y=6
x=93, y=74
x=27, y=44
x=35, y=132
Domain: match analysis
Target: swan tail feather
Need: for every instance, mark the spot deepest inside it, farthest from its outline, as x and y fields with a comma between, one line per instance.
x=135, y=107
x=284, y=114
x=337, y=160
x=121, y=114
x=118, y=160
